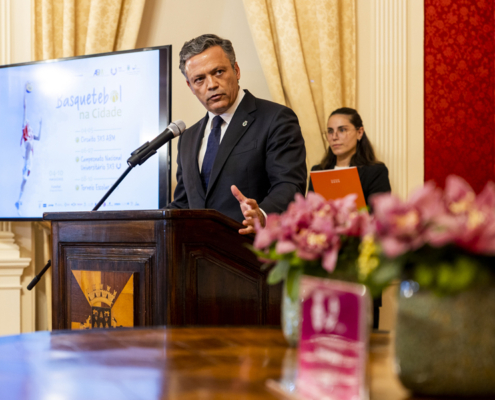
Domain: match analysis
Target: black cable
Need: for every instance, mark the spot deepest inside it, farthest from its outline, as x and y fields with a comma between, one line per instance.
x=37, y=278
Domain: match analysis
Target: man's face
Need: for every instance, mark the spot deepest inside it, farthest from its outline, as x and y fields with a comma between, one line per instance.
x=212, y=79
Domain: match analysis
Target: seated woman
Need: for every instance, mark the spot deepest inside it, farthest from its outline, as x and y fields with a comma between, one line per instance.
x=350, y=147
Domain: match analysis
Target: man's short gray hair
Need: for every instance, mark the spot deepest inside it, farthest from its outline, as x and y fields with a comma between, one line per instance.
x=197, y=45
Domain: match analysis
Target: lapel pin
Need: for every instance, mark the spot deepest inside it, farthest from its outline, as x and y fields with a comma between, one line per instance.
x=244, y=123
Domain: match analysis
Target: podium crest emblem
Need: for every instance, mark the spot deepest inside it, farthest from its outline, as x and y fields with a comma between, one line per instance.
x=102, y=299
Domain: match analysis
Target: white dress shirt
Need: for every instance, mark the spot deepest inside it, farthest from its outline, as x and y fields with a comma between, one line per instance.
x=227, y=117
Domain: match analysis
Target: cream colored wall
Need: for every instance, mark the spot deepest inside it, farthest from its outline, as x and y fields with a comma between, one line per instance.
x=15, y=32
x=177, y=21
x=390, y=97
x=415, y=99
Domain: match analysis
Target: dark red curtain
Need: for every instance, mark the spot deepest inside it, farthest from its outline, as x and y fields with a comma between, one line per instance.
x=460, y=90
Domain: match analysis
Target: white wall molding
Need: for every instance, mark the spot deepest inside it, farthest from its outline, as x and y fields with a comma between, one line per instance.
x=8, y=248
x=10, y=294
x=5, y=226
x=390, y=129
x=5, y=32
x=12, y=267
x=390, y=86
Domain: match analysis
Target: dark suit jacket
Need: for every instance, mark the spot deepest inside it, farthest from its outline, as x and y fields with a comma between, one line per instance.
x=374, y=179
x=262, y=153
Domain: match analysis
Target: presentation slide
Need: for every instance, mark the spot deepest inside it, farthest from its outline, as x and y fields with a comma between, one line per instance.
x=67, y=129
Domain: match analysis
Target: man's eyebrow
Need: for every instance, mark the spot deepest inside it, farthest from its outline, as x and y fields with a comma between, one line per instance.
x=218, y=67
x=212, y=71
x=197, y=76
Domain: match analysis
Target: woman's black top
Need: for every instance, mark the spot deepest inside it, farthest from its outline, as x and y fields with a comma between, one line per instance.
x=374, y=179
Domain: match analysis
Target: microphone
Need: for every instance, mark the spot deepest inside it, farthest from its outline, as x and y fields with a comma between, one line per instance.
x=140, y=155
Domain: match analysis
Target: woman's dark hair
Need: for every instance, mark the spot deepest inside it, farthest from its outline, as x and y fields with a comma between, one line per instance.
x=364, y=150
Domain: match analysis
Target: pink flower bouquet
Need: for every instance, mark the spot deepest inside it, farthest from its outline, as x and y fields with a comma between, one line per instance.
x=315, y=237
x=442, y=239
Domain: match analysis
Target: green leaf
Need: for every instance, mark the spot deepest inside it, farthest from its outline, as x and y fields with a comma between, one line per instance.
x=380, y=278
x=293, y=279
x=297, y=262
x=386, y=273
x=314, y=268
x=258, y=253
x=273, y=255
x=251, y=247
x=424, y=275
x=445, y=276
x=465, y=273
x=278, y=273
x=267, y=265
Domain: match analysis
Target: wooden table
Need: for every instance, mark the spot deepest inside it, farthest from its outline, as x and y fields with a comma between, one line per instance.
x=163, y=363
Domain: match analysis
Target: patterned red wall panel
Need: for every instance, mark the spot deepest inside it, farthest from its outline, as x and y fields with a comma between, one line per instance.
x=459, y=90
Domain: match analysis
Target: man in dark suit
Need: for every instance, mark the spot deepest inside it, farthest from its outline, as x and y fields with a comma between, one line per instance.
x=246, y=158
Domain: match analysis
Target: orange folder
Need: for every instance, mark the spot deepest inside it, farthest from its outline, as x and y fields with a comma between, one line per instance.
x=337, y=183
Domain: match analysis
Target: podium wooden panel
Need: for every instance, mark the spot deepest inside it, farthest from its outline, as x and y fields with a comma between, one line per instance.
x=159, y=267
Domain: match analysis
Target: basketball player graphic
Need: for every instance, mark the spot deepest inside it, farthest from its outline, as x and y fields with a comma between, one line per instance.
x=27, y=139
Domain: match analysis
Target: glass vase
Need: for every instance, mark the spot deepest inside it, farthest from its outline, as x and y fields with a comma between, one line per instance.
x=445, y=346
x=291, y=317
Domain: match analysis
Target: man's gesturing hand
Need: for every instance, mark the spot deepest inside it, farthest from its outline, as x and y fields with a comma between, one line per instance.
x=250, y=210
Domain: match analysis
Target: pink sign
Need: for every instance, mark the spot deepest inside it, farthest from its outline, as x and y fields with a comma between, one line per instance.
x=333, y=350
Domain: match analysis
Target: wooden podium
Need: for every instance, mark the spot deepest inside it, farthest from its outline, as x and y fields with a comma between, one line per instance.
x=159, y=267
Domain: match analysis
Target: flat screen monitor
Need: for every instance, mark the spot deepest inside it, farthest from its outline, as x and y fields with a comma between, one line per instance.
x=67, y=127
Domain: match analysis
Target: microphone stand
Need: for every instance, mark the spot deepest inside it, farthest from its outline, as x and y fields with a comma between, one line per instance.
x=117, y=183
x=138, y=156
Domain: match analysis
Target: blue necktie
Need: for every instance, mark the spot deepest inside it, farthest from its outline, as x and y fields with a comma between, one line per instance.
x=211, y=151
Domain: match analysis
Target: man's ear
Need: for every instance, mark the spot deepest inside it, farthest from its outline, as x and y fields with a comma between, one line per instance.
x=190, y=87
x=237, y=71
